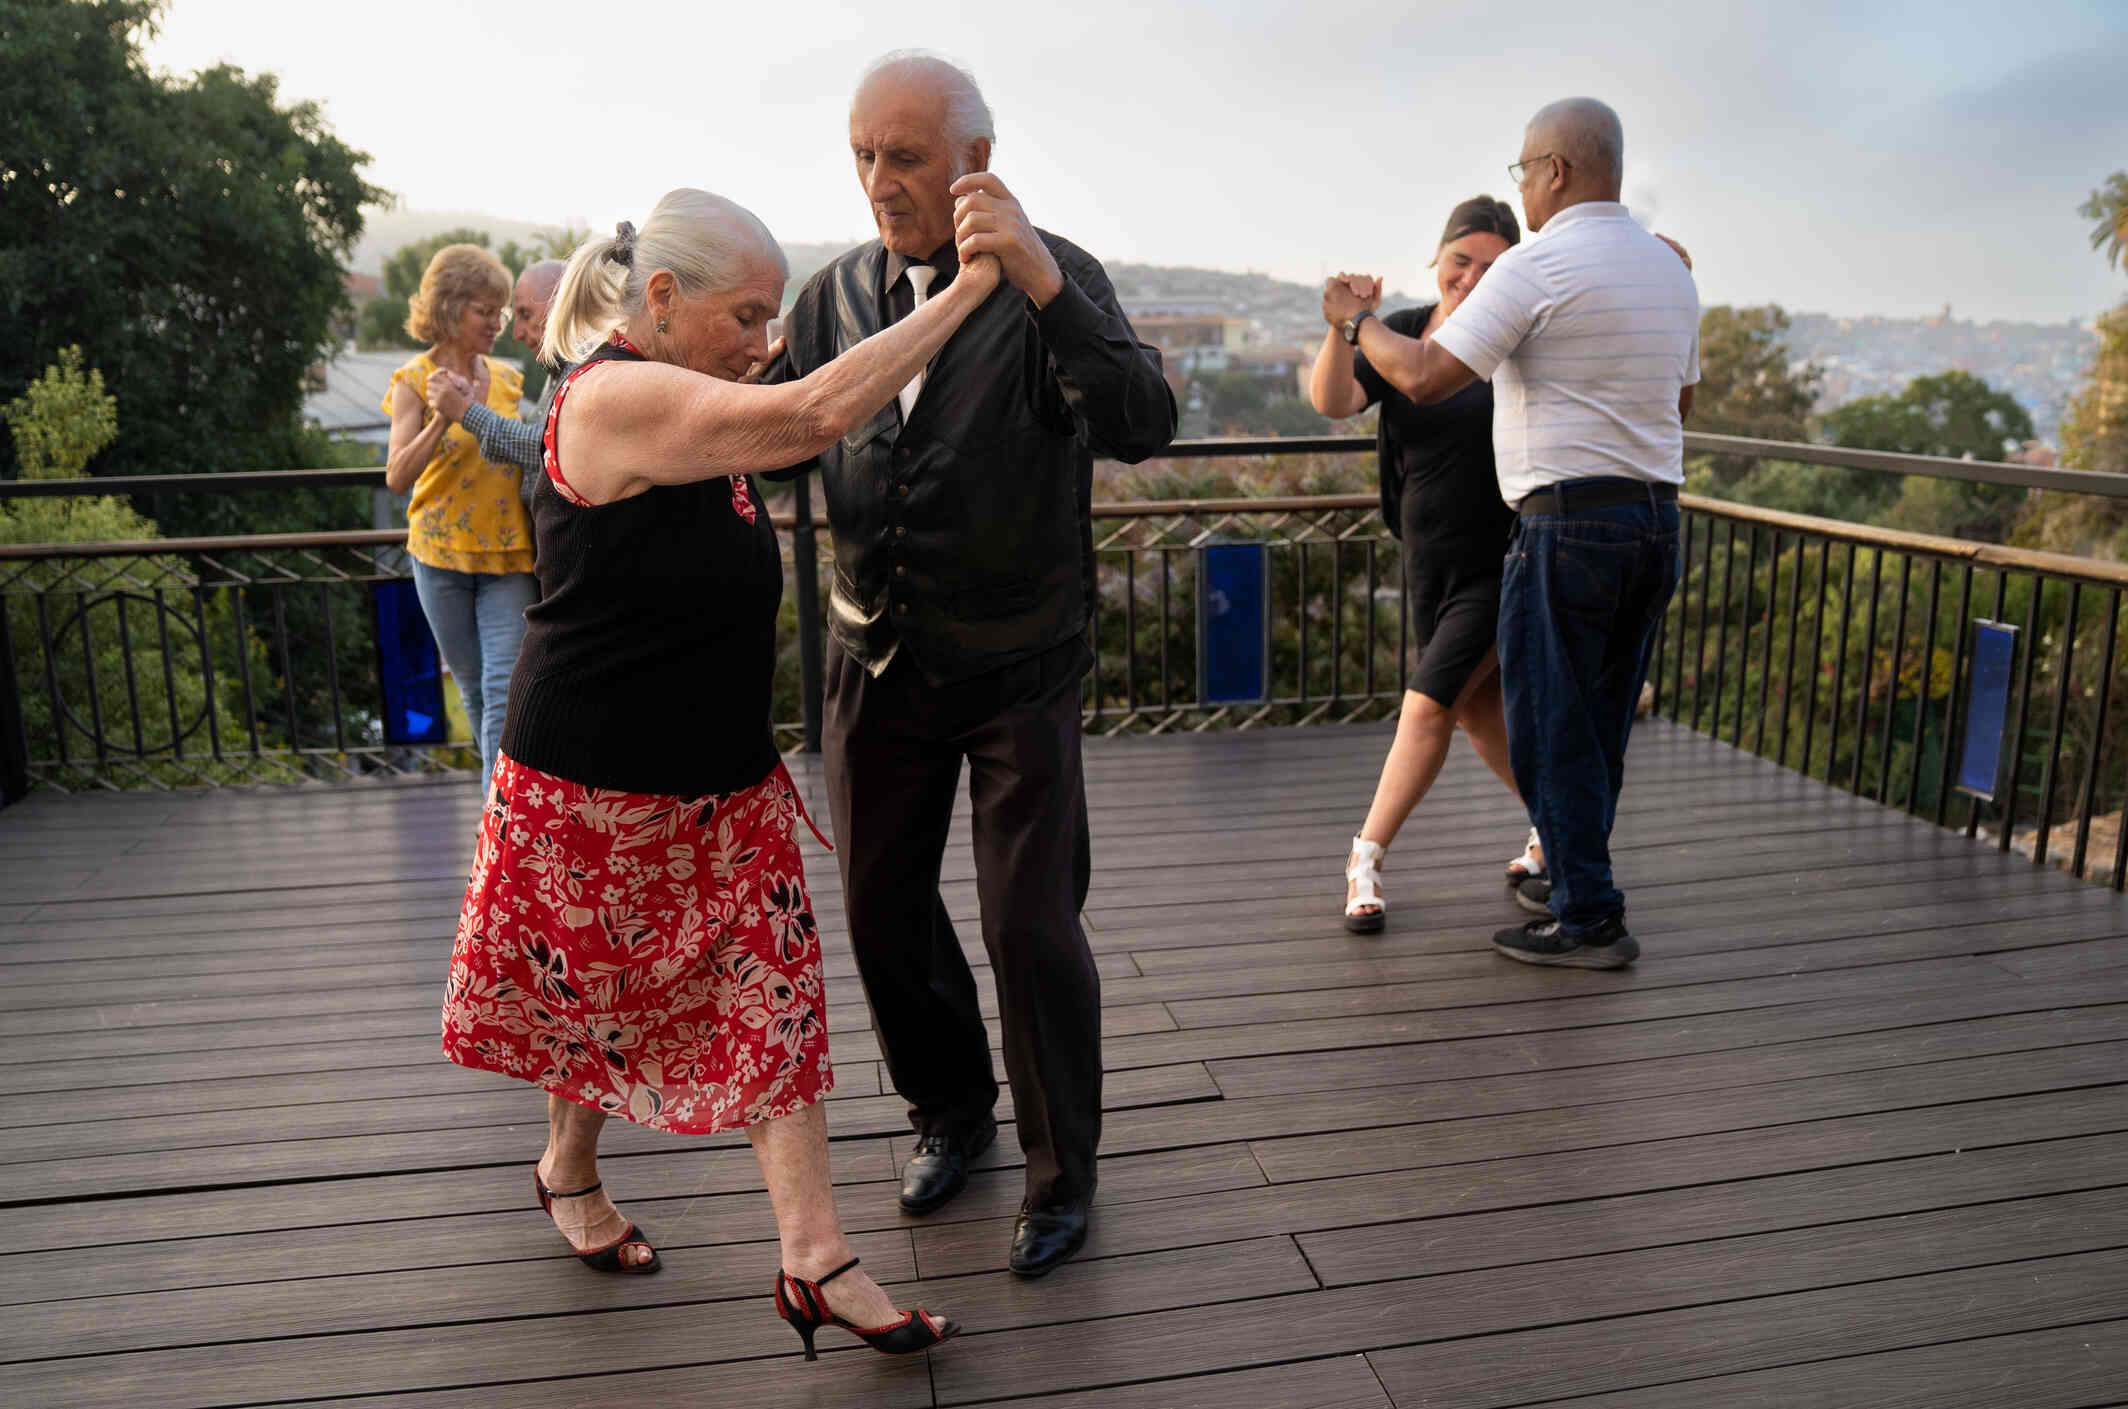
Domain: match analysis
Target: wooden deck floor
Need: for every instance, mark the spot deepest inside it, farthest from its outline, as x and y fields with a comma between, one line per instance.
x=1854, y=1131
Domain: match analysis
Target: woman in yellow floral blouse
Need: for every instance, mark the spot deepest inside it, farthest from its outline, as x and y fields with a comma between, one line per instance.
x=467, y=530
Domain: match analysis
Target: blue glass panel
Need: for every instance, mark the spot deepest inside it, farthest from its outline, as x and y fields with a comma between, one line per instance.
x=409, y=669
x=1987, y=707
x=1233, y=624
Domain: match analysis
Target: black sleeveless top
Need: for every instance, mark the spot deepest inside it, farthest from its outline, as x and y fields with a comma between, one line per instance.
x=649, y=658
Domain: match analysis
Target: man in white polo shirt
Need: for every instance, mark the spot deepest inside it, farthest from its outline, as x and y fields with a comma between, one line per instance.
x=1589, y=331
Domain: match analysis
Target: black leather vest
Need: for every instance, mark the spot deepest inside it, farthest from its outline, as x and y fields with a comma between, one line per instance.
x=965, y=534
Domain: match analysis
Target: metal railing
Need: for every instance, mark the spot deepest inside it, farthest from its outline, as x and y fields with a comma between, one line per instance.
x=1845, y=652
x=1834, y=648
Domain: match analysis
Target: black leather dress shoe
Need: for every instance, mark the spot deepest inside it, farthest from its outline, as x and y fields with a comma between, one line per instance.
x=938, y=1169
x=1044, y=1238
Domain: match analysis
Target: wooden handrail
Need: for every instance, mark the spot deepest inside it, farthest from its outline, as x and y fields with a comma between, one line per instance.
x=2111, y=486
x=1899, y=541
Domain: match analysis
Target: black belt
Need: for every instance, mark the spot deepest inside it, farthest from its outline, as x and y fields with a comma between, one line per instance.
x=1595, y=494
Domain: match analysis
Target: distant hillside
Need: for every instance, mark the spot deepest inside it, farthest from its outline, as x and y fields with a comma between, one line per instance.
x=385, y=232
x=1278, y=311
x=2041, y=364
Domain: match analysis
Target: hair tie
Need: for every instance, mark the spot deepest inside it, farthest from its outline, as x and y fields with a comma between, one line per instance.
x=623, y=251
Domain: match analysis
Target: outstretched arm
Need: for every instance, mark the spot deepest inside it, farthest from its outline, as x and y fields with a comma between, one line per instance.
x=654, y=423
x=1418, y=367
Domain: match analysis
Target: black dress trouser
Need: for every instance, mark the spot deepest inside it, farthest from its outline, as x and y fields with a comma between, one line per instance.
x=894, y=746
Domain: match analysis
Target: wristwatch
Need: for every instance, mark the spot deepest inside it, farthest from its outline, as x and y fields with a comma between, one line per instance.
x=1350, y=328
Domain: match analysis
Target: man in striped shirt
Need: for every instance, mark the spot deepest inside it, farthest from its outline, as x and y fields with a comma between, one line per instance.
x=1589, y=332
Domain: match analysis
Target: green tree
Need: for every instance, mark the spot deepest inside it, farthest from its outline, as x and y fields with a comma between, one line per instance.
x=2108, y=207
x=188, y=234
x=1953, y=414
x=2094, y=437
x=1234, y=400
x=1748, y=387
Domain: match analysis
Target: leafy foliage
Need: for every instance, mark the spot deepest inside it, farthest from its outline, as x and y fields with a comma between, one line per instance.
x=1747, y=386
x=2094, y=437
x=188, y=234
x=1953, y=414
x=2108, y=207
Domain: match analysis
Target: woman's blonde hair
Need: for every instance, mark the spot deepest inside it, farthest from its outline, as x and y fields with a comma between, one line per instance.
x=706, y=242
x=455, y=277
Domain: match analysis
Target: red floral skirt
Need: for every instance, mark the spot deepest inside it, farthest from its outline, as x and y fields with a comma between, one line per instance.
x=648, y=956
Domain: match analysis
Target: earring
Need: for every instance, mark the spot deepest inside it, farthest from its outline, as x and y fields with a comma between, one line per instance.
x=661, y=325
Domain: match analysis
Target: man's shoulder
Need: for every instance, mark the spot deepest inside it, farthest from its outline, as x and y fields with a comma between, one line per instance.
x=1067, y=254
x=849, y=261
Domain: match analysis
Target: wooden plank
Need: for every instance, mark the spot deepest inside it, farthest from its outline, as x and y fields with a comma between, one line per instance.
x=1447, y=1180
x=360, y=1226
x=1357, y=1151
x=1731, y=1048
x=2073, y=1367
x=1339, y=1382
x=1588, y=1308
x=838, y=1380
x=472, y=1288
x=649, y=1338
x=267, y=1160
x=1687, y=1208
x=1760, y=1332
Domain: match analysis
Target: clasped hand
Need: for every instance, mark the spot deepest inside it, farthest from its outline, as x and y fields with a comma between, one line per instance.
x=1347, y=295
x=449, y=394
x=988, y=219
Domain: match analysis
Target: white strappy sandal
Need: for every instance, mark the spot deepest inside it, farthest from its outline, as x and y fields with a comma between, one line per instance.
x=1364, y=871
x=1529, y=863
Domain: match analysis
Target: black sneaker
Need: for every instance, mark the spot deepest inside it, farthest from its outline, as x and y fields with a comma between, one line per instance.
x=1535, y=896
x=1544, y=942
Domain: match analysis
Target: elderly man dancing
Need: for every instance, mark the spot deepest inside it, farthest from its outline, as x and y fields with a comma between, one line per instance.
x=1590, y=332
x=963, y=589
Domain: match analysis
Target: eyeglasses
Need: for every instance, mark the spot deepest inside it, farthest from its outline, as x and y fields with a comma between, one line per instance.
x=490, y=310
x=1517, y=170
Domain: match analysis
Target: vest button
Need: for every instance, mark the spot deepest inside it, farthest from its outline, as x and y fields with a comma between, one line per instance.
x=901, y=607
x=901, y=530
x=901, y=491
x=900, y=570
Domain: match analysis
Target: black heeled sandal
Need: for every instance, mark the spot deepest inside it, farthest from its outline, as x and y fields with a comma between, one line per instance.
x=804, y=1305
x=607, y=1258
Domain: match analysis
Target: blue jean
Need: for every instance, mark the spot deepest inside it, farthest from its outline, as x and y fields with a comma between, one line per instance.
x=1580, y=598
x=478, y=619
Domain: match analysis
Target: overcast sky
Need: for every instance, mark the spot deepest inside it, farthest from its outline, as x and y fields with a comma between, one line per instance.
x=1930, y=153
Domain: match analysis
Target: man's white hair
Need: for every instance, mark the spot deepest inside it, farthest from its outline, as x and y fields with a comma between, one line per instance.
x=1587, y=134
x=967, y=115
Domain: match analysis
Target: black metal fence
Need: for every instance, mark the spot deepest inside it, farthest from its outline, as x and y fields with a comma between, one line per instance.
x=1837, y=649
x=1846, y=653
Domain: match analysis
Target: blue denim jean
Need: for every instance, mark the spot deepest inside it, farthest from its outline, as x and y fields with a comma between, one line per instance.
x=1580, y=598
x=478, y=619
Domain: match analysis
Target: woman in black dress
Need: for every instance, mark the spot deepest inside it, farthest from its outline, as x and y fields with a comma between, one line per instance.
x=1442, y=499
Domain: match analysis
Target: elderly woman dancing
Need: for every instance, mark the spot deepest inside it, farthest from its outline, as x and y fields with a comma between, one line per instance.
x=637, y=937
